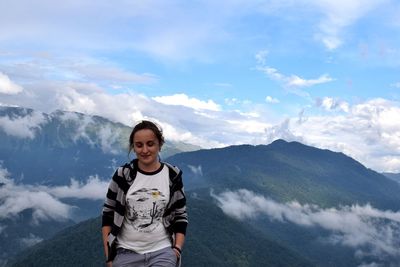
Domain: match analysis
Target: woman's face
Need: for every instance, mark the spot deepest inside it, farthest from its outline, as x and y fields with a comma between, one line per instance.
x=146, y=147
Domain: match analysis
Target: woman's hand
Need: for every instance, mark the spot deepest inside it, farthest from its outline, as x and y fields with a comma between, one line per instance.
x=177, y=251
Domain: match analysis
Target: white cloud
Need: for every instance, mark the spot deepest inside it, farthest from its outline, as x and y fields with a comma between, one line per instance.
x=372, y=231
x=7, y=86
x=293, y=81
x=329, y=104
x=196, y=170
x=85, y=128
x=94, y=189
x=44, y=201
x=16, y=198
x=208, y=124
x=287, y=81
x=30, y=240
x=261, y=57
x=280, y=131
x=378, y=147
x=296, y=81
x=23, y=126
x=271, y=99
x=338, y=16
x=184, y=100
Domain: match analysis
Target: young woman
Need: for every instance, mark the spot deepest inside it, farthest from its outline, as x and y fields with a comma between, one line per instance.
x=144, y=216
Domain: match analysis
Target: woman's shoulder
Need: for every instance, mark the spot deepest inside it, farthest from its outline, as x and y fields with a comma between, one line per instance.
x=172, y=167
x=126, y=168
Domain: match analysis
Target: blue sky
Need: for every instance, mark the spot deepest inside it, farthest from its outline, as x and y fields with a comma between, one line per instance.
x=216, y=73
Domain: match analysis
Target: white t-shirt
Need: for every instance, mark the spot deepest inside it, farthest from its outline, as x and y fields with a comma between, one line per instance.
x=142, y=229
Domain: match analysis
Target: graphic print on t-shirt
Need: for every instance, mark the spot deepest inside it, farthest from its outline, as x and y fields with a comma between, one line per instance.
x=145, y=208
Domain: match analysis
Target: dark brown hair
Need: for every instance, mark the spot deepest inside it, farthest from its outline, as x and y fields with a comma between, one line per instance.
x=149, y=125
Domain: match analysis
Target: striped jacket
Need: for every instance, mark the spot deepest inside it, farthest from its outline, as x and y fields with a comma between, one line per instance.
x=174, y=217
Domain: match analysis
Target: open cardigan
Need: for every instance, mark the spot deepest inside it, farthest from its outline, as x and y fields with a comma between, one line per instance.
x=174, y=218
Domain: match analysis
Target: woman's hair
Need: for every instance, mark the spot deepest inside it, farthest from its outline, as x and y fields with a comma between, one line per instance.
x=149, y=125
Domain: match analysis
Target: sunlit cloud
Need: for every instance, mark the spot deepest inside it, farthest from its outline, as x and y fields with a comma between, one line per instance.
x=296, y=81
x=184, y=100
x=215, y=126
x=329, y=104
x=7, y=86
x=369, y=230
x=287, y=81
x=378, y=147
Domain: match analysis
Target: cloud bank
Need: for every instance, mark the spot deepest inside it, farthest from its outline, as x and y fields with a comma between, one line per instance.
x=371, y=232
x=46, y=202
x=329, y=123
x=23, y=126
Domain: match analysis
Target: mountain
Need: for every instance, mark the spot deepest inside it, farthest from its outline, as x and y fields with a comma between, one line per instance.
x=283, y=172
x=65, y=145
x=47, y=161
x=288, y=171
x=393, y=176
x=275, y=174
x=213, y=239
x=20, y=232
x=314, y=205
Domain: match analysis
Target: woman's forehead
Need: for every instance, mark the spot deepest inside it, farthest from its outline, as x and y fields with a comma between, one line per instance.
x=144, y=135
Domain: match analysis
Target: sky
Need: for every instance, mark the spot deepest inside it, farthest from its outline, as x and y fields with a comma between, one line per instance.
x=215, y=73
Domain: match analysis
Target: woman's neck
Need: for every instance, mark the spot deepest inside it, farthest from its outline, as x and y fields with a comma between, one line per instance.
x=149, y=167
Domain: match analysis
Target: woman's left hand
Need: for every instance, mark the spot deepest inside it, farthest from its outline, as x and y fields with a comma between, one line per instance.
x=177, y=252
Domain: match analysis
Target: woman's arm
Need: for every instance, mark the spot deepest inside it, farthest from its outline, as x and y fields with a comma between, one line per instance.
x=179, y=241
x=105, y=231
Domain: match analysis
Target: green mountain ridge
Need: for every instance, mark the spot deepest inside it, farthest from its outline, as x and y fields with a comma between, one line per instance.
x=213, y=239
x=288, y=171
x=283, y=171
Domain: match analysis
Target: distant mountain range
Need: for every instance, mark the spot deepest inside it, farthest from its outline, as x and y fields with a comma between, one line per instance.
x=282, y=204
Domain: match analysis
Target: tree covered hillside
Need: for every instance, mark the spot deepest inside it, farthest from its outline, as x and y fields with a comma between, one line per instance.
x=213, y=239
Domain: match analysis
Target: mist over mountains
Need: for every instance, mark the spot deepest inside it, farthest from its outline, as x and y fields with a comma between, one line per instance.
x=316, y=206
